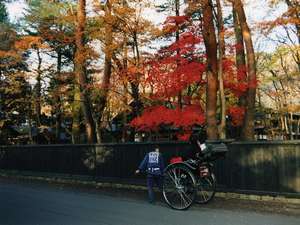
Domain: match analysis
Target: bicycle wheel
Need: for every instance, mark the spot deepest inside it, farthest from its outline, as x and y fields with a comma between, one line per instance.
x=206, y=189
x=179, y=188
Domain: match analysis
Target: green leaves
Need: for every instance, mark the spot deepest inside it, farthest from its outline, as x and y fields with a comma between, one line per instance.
x=3, y=13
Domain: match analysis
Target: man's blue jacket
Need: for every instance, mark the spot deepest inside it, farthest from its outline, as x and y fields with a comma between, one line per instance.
x=153, y=164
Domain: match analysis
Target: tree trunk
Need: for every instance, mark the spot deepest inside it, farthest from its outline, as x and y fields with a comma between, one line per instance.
x=298, y=129
x=286, y=126
x=123, y=67
x=29, y=123
x=282, y=124
x=30, y=129
x=248, y=125
x=177, y=8
x=291, y=126
x=221, y=40
x=38, y=89
x=211, y=71
x=76, y=115
x=107, y=69
x=240, y=56
x=134, y=85
x=125, y=87
x=58, y=105
x=80, y=71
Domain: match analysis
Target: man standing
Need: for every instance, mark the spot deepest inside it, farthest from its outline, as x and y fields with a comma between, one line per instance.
x=154, y=166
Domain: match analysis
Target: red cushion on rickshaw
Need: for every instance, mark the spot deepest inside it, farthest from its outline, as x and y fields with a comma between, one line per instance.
x=176, y=160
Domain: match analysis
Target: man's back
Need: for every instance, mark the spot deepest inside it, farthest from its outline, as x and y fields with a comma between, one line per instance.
x=153, y=163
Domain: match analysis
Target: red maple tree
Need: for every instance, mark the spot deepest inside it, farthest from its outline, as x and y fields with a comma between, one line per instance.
x=173, y=70
x=170, y=72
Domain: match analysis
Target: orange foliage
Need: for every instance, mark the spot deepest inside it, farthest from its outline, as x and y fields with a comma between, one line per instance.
x=27, y=42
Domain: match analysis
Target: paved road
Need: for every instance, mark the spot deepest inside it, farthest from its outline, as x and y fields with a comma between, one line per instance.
x=35, y=204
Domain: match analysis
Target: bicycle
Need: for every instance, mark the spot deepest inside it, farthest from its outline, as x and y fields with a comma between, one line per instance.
x=193, y=180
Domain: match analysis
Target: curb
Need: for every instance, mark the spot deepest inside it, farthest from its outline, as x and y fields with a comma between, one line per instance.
x=262, y=198
x=223, y=195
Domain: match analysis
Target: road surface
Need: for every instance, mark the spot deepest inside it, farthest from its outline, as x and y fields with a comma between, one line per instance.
x=24, y=203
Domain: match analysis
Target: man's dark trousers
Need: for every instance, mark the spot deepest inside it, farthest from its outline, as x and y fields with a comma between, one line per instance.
x=151, y=179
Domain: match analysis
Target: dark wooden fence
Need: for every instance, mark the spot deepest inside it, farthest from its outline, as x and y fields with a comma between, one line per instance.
x=271, y=168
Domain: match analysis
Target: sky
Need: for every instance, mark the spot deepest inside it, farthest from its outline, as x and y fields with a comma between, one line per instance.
x=256, y=11
x=16, y=9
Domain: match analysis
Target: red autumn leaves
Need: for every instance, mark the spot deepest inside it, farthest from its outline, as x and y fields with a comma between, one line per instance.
x=155, y=116
x=172, y=71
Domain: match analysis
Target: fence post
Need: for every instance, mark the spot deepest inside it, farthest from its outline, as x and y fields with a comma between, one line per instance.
x=95, y=163
x=72, y=166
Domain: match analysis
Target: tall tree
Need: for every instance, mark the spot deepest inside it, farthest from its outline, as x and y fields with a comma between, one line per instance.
x=240, y=56
x=38, y=87
x=80, y=70
x=210, y=42
x=15, y=91
x=221, y=51
x=137, y=31
x=76, y=109
x=240, y=61
x=174, y=7
x=53, y=23
x=108, y=19
x=248, y=125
